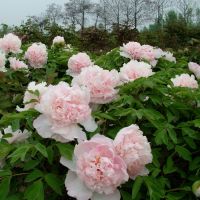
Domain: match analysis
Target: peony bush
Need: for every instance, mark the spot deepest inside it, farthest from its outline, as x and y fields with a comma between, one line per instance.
x=120, y=126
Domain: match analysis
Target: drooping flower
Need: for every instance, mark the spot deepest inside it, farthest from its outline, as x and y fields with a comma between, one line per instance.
x=96, y=171
x=37, y=55
x=16, y=136
x=77, y=62
x=62, y=108
x=133, y=147
x=33, y=95
x=185, y=80
x=196, y=188
x=194, y=68
x=16, y=64
x=59, y=41
x=134, y=70
x=101, y=83
x=2, y=62
x=10, y=43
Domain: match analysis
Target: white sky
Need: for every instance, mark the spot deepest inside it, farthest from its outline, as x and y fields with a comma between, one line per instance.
x=12, y=12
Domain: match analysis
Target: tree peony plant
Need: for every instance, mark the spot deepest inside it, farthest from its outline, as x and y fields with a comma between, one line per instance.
x=133, y=147
x=62, y=108
x=77, y=62
x=185, y=80
x=134, y=70
x=101, y=83
x=96, y=171
x=37, y=55
x=10, y=43
x=16, y=64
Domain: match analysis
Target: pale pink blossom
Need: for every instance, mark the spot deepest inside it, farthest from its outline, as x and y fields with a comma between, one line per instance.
x=33, y=95
x=37, y=55
x=10, y=43
x=16, y=136
x=147, y=53
x=185, y=80
x=134, y=70
x=77, y=62
x=59, y=41
x=96, y=171
x=101, y=83
x=194, y=68
x=16, y=64
x=62, y=108
x=134, y=148
x=2, y=62
x=131, y=50
x=159, y=53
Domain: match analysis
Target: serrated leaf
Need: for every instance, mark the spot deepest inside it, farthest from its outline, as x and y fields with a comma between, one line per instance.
x=183, y=153
x=66, y=150
x=136, y=187
x=33, y=175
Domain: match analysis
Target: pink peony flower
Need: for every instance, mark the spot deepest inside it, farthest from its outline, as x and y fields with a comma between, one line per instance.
x=16, y=64
x=16, y=136
x=2, y=62
x=62, y=108
x=101, y=83
x=37, y=55
x=31, y=98
x=194, y=68
x=10, y=43
x=77, y=62
x=185, y=80
x=134, y=149
x=159, y=53
x=147, y=53
x=131, y=50
x=59, y=41
x=96, y=171
x=134, y=70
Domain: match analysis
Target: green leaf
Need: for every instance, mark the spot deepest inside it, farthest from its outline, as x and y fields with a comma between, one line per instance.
x=54, y=182
x=5, y=187
x=125, y=195
x=169, y=167
x=31, y=164
x=42, y=149
x=172, y=135
x=66, y=150
x=20, y=153
x=35, y=191
x=136, y=186
x=183, y=153
x=5, y=149
x=33, y=175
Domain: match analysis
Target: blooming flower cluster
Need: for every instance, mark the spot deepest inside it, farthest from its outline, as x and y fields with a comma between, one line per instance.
x=10, y=43
x=101, y=165
x=37, y=55
x=136, y=51
x=16, y=64
x=77, y=62
x=185, y=80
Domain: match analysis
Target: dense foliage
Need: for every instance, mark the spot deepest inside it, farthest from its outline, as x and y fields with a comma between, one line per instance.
x=168, y=116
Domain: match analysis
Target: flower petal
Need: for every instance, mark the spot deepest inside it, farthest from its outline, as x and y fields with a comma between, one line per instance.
x=70, y=164
x=43, y=126
x=76, y=188
x=89, y=125
x=115, y=196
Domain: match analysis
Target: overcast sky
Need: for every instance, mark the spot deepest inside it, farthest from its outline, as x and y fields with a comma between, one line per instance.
x=12, y=12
